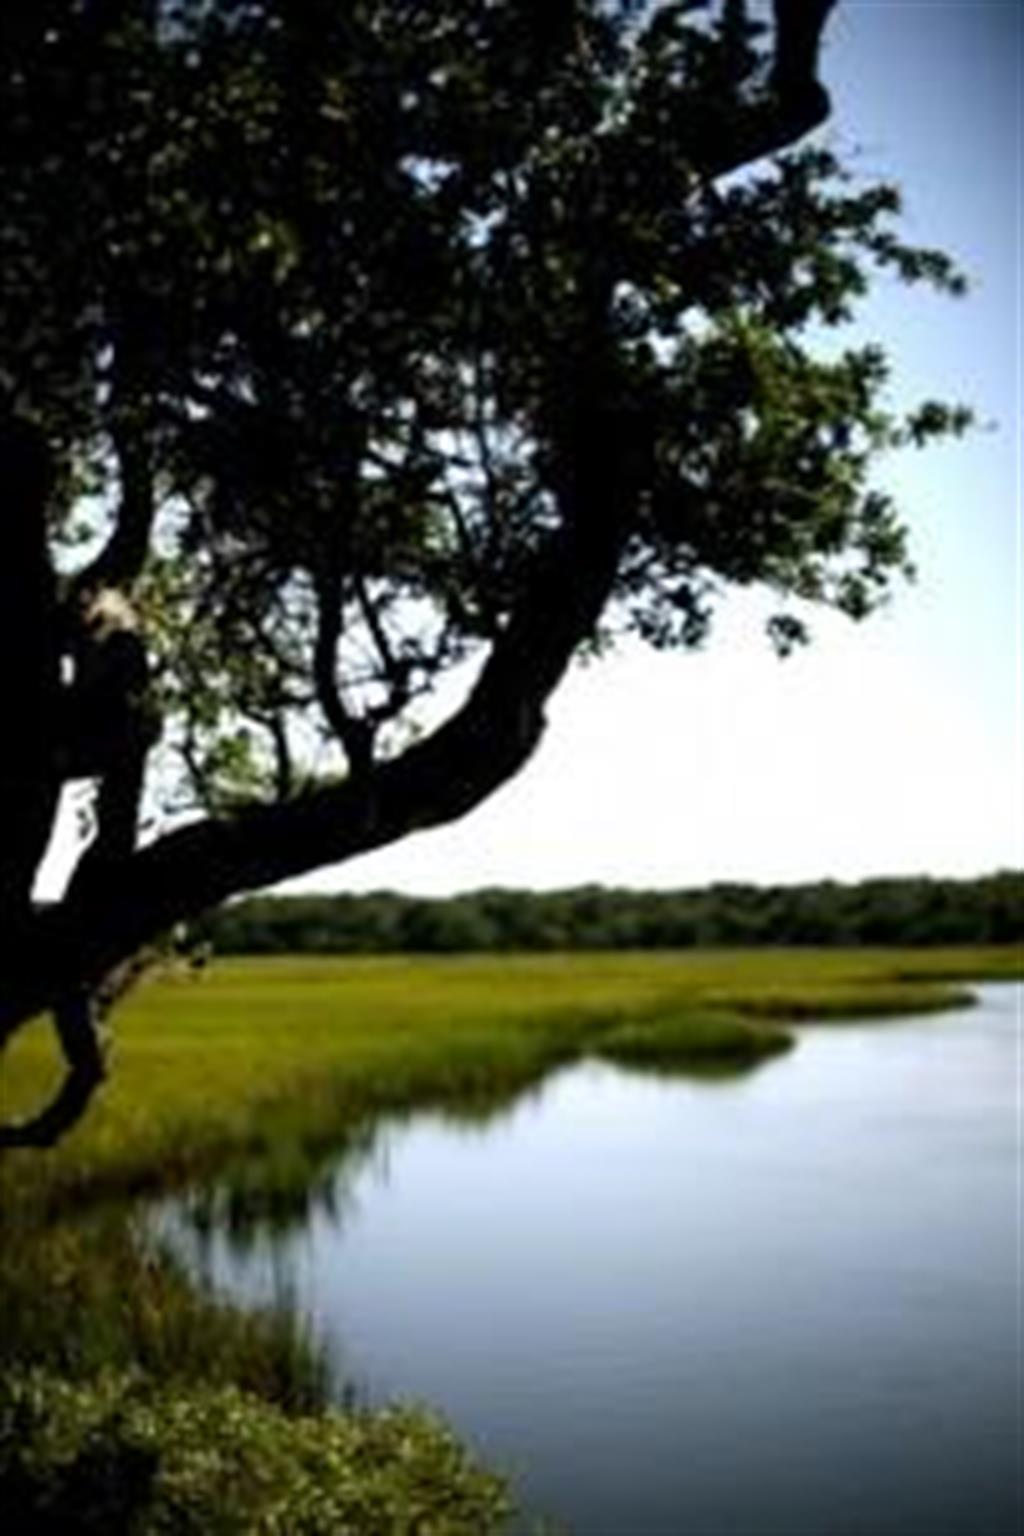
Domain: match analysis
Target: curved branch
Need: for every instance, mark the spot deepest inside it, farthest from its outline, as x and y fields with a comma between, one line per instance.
x=76, y=1025
x=795, y=103
x=78, y=1020
x=799, y=29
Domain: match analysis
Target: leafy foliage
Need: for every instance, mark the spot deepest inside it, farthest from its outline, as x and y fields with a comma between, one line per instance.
x=354, y=280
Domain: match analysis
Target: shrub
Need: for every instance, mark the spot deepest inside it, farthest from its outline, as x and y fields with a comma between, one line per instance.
x=119, y=1454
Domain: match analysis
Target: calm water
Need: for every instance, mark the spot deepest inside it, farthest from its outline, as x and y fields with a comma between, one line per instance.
x=786, y=1305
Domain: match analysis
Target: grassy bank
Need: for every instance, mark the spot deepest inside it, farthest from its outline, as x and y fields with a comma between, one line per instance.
x=280, y=1058
x=262, y=1073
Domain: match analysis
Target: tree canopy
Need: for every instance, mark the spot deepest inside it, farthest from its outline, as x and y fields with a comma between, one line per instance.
x=363, y=346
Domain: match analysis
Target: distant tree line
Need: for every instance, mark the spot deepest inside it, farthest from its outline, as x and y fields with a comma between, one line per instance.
x=989, y=910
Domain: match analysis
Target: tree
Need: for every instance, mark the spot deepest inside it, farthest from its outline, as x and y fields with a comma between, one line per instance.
x=346, y=346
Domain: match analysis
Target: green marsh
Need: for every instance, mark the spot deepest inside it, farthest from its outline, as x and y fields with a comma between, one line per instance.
x=267, y=1056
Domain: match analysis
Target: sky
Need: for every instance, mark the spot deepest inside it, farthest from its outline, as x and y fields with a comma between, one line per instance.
x=892, y=747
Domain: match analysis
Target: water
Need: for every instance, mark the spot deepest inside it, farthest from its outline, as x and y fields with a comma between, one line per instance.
x=785, y=1305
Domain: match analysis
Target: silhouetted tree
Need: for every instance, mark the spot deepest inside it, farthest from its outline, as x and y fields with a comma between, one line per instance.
x=342, y=345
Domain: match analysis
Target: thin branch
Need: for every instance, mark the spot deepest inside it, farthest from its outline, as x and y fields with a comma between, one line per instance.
x=354, y=733
x=284, y=765
x=395, y=671
x=120, y=562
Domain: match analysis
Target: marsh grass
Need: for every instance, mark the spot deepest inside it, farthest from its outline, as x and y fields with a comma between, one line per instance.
x=882, y=1000
x=81, y=1296
x=271, y=1064
x=713, y=1040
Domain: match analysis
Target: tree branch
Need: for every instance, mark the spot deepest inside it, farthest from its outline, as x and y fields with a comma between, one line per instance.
x=81, y=1044
x=354, y=732
x=795, y=103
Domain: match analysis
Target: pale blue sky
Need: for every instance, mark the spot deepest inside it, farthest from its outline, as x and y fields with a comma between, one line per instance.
x=893, y=747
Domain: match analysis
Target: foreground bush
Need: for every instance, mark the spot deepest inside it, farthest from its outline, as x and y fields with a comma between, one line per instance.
x=119, y=1455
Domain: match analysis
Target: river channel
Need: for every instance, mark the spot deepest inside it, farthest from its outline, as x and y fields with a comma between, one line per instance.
x=785, y=1304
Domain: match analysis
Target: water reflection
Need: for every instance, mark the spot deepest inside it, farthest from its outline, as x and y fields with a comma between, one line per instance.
x=266, y=1197
x=785, y=1304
